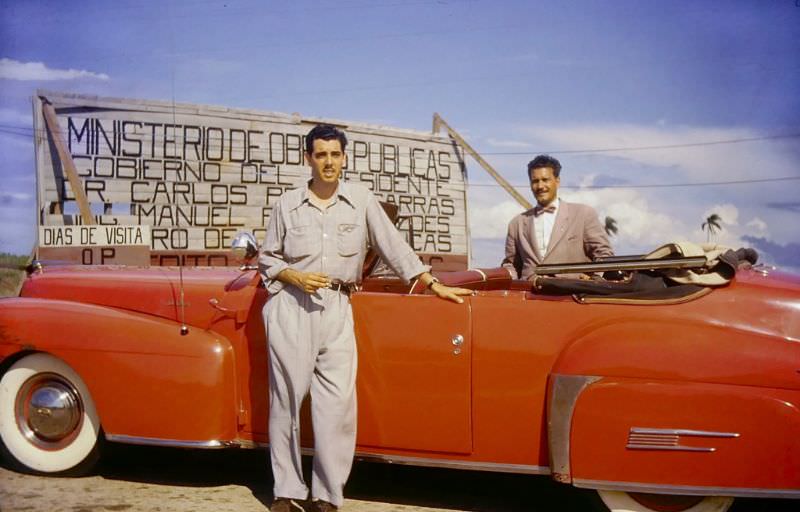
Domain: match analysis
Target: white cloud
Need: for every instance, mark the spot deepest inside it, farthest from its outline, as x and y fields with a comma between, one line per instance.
x=759, y=227
x=728, y=213
x=491, y=221
x=733, y=233
x=14, y=70
x=587, y=180
x=648, y=215
x=642, y=225
x=700, y=162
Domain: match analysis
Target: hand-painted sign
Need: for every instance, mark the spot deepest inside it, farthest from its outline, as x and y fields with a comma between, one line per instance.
x=196, y=175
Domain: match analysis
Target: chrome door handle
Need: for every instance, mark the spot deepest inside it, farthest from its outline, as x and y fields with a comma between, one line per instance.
x=215, y=304
x=457, y=341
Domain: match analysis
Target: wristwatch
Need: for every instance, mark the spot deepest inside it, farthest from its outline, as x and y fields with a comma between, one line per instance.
x=430, y=283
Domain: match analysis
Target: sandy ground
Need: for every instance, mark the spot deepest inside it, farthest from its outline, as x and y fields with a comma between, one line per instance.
x=134, y=479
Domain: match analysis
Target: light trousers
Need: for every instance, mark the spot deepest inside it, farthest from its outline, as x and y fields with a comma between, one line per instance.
x=311, y=348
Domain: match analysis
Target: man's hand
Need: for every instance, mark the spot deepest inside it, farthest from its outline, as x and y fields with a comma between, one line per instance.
x=309, y=282
x=450, y=293
x=443, y=291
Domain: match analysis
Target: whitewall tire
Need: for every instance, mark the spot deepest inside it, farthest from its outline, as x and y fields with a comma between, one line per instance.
x=48, y=422
x=617, y=501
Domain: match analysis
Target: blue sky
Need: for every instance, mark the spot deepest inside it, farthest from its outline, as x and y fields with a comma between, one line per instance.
x=701, y=93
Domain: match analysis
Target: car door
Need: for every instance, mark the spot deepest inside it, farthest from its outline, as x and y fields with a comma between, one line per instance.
x=414, y=377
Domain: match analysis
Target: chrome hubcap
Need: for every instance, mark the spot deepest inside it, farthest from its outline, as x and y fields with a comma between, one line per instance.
x=49, y=411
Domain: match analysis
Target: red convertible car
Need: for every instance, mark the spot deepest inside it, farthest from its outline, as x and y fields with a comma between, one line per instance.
x=661, y=396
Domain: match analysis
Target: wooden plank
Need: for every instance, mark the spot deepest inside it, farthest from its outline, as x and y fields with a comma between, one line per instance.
x=66, y=160
x=438, y=122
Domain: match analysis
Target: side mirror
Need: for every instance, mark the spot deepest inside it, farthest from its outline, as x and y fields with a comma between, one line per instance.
x=244, y=247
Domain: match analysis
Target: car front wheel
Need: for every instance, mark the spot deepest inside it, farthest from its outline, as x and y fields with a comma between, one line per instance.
x=617, y=501
x=48, y=422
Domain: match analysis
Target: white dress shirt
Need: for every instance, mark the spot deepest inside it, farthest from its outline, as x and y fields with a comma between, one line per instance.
x=543, y=227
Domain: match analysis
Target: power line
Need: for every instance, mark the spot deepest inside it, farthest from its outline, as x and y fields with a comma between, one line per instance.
x=646, y=148
x=656, y=185
x=21, y=130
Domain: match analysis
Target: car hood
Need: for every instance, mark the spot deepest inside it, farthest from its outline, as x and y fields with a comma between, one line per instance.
x=152, y=291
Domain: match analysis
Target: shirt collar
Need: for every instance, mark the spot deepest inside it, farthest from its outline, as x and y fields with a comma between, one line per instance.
x=343, y=191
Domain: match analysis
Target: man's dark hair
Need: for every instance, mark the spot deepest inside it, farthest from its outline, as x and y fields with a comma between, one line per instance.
x=544, y=161
x=324, y=132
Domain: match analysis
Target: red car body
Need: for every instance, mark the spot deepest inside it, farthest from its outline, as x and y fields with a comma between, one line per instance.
x=691, y=396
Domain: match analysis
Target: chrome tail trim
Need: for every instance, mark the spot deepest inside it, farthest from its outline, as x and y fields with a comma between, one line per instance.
x=669, y=439
x=682, y=432
x=736, y=492
x=175, y=443
x=565, y=390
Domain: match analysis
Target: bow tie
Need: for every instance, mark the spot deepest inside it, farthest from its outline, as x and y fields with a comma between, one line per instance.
x=541, y=209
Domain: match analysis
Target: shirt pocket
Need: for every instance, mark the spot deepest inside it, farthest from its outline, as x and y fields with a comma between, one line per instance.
x=299, y=242
x=349, y=238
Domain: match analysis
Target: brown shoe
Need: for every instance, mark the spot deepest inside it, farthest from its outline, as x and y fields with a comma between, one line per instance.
x=285, y=505
x=324, y=506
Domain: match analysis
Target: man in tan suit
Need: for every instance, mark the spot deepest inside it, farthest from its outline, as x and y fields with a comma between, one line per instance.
x=554, y=231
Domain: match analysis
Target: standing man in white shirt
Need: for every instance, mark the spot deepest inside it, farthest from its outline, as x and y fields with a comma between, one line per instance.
x=311, y=261
x=554, y=231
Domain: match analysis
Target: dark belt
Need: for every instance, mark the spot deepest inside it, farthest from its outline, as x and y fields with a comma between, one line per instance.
x=343, y=287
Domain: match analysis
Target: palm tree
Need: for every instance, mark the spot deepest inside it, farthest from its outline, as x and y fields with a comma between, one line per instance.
x=712, y=224
x=611, y=226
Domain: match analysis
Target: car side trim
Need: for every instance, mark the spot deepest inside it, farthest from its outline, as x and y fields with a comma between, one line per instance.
x=454, y=464
x=565, y=390
x=736, y=492
x=153, y=441
x=365, y=456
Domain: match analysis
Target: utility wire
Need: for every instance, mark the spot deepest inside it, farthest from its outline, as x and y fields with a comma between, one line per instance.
x=646, y=148
x=655, y=185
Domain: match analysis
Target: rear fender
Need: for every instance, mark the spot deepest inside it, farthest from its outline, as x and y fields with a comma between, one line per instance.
x=649, y=376
x=686, y=438
x=690, y=349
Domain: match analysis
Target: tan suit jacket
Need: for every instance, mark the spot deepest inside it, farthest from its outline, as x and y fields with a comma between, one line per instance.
x=577, y=237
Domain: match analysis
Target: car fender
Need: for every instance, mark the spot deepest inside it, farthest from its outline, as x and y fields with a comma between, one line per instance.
x=685, y=438
x=149, y=382
x=649, y=397
x=687, y=349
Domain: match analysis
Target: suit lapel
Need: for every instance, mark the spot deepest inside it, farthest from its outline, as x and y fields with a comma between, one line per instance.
x=529, y=233
x=560, y=226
